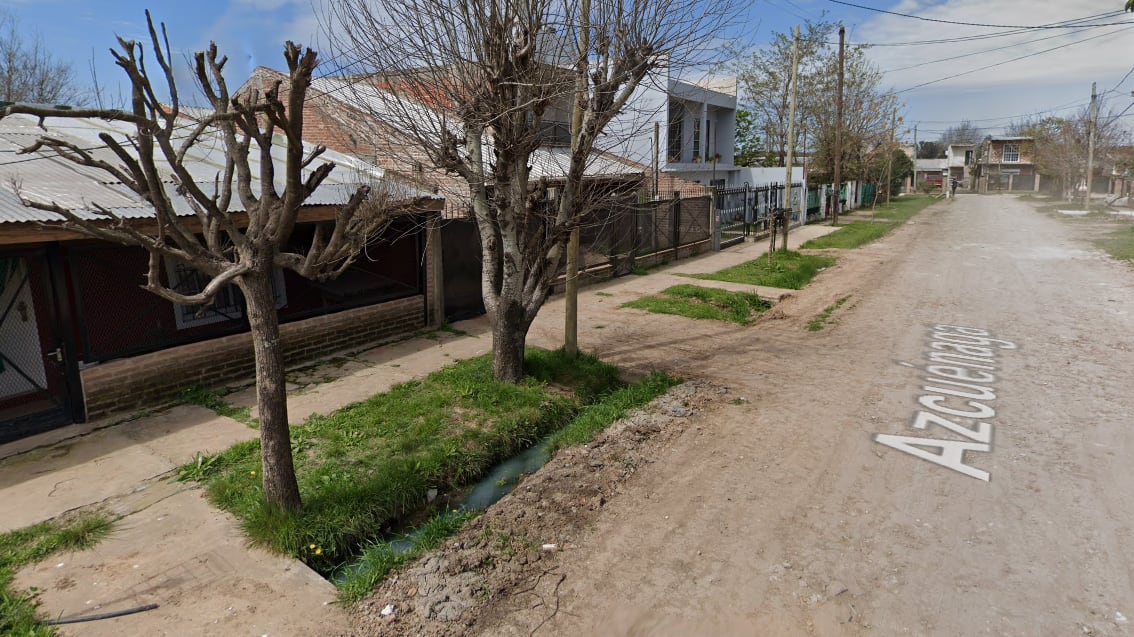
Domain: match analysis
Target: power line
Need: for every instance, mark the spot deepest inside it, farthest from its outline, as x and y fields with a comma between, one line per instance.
x=1053, y=25
x=1070, y=23
x=980, y=52
x=1015, y=59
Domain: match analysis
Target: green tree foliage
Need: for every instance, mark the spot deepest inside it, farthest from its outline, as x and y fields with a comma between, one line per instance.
x=749, y=150
x=930, y=150
x=764, y=75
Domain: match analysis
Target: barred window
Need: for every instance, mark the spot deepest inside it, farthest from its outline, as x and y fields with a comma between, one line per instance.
x=1011, y=153
x=227, y=305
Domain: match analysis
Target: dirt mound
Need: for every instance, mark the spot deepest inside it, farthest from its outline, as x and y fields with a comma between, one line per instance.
x=512, y=549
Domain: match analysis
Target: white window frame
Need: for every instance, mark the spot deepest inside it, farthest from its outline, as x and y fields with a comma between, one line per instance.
x=228, y=298
x=1013, y=149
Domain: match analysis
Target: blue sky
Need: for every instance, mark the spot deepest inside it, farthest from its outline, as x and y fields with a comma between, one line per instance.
x=251, y=32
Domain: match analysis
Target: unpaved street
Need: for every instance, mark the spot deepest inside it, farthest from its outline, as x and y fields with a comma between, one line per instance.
x=782, y=515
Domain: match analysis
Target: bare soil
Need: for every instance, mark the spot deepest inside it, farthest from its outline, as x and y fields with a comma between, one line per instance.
x=779, y=514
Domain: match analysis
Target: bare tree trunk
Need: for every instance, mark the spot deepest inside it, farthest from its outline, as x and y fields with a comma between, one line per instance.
x=280, y=486
x=509, y=338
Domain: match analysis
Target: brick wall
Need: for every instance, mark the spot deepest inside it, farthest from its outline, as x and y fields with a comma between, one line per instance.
x=154, y=379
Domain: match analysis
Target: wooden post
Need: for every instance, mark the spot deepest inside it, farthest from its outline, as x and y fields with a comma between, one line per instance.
x=791, y=131
x=839, y=129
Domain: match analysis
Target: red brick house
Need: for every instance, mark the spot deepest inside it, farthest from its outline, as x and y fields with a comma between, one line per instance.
x=81, y=340
x=1007, y=164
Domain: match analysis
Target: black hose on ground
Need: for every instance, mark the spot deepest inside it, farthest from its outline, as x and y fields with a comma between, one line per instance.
x=91, y=618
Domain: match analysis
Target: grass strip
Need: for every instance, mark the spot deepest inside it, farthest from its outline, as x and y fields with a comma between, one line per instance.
x=790, y=270
x=1120, y=245
x=29, y=545
x=613, y=407
x=696, y=302
x=379, y=558
x=859, y=233
x=366, y=469
x=817, y=323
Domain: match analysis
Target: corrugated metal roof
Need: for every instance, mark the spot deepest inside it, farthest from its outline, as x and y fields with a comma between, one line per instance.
x=551, y=162
x=43, y=176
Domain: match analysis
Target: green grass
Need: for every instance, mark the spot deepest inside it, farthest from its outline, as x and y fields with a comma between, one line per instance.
x=1120, y=244
x=790, y=270
x=614, y=406
x=817, y=323
x=703, y=303
x=379, y=558
x=32, y=544
x=852, y=235
x=860, y=233
x=364, y=471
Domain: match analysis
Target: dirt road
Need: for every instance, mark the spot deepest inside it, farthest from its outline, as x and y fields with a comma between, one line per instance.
x=784, y=515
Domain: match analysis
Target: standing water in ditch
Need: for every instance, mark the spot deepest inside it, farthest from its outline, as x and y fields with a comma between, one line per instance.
x=499, y=481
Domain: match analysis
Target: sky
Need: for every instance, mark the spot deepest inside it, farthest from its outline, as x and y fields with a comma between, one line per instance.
x=1030, y=72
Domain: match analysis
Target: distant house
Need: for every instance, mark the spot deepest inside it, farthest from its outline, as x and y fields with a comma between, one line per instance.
x=80, y=339
x=930, y=173
x=960, y=160
x=1007, y=164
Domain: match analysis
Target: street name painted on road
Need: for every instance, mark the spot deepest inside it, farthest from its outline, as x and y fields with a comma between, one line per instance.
x=960, y=362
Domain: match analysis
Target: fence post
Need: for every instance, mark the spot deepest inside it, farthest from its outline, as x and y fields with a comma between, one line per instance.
x=714, y=220
x=675, y=220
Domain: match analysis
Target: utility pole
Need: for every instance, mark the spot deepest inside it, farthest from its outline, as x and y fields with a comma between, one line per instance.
x=571, y=291
x=890, y=163
x=791, y=129
x=1092, y=124
x=915, y=154
x=839, y=129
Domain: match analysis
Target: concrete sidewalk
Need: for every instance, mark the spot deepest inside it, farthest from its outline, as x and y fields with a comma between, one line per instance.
x=172, y=548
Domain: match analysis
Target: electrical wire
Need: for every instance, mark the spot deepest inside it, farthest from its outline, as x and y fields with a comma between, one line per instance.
x=1053, y=25
x=980, y=52
x=1015, y=59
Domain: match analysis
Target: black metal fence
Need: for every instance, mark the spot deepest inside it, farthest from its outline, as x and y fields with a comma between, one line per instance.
x=746, y=210
x=618, y=232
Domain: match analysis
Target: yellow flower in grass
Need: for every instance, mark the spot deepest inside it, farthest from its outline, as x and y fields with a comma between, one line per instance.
x=252, y=473
x=318, y=551
x=312, y=547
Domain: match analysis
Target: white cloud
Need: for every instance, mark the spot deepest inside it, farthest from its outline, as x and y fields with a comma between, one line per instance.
x=1040, y=81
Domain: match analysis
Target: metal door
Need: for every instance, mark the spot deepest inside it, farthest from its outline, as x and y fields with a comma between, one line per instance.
x=34, y=394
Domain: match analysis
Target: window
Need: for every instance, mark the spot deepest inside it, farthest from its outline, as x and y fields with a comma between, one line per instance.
x=1011, y=153
x=673, y=138
x=968, y=158
x=228, y=305
x=696, y=140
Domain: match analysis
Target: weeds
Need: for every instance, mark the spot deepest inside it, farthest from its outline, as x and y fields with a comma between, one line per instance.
x=32, y=544
x=817, y=323
x=378, y=559
x=211, y=400
x=790, y=270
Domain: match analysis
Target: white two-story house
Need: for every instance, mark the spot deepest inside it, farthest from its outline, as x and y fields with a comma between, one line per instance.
x=683, y=128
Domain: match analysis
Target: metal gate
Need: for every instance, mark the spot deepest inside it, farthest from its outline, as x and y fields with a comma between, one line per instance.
x=34, y=395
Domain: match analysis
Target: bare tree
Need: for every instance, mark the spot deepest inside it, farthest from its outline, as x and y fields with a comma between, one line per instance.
x=764, y=74
x=1061, y=146
x=239, y=224
x=477, y=83
x=963, y=133
x=28, y=71
x=866, y=114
